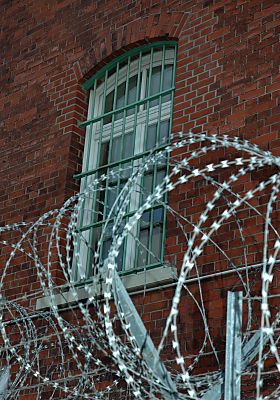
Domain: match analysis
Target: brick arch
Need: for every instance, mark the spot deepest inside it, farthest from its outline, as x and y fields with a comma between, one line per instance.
x=165, y=25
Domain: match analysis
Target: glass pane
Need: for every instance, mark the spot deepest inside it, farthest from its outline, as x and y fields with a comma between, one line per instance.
x=120, y=95
x=147, y=186
x=158, y=215
x=164, y=131
x=167, y=81
x=104, y=152
x=151, y=136
x=142, y=248
x=145, y=220
x=128, y=145
x=108, y=107
x=155, y=85
x=156, y=245
x=100, y=196
x=159, y=177
x=167, y=77
x=116, y=149
x=126, y=171
x=131, y=96
x=111, y=198
x=132, y=93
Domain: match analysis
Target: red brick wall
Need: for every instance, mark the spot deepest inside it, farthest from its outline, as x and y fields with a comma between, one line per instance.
x=227, y=82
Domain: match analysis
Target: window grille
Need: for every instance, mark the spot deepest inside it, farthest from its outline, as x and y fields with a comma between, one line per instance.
x=130, y=114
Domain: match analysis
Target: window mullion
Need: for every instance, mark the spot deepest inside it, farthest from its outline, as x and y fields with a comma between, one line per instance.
x=88, y=204
x=81, y=248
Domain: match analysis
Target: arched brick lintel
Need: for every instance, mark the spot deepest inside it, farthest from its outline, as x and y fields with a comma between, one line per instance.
x=164, y=26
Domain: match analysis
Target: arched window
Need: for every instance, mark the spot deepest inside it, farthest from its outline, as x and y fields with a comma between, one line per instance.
x=130, y=110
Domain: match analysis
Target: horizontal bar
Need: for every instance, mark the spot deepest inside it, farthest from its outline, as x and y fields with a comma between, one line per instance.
x=88, y=84
x=127, y=215
x=128, y=107
x=124, y=161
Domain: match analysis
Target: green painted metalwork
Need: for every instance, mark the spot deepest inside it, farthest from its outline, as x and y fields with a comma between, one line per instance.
x=170, y=130
x=137, y=103
x=124, y=161
x=130, y=53
x=123, y=130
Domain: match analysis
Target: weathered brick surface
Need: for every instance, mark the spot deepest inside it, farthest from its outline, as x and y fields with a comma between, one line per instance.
x=227, y=82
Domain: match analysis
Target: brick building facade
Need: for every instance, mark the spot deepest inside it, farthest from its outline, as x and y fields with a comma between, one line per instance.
x=227, y=83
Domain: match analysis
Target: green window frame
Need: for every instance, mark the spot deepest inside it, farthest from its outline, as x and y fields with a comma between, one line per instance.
x=129, y=114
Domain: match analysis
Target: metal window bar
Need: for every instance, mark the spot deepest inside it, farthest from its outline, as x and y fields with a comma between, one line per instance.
x=88, y=262
x=167, y=167
x=104, y=206
x=128, y=107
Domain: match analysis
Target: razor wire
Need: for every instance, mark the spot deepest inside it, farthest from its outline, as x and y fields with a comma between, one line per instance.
x=83, y=348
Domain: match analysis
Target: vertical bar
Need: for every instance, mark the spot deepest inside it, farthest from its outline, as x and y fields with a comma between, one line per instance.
x=145, y=143
x=233, y=346
x=125, y=103
x=97, y=164
x=169, y=140
x=160, y=98
x=139, y=95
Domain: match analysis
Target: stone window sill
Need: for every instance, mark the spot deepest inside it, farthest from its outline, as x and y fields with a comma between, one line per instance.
x=155, y=277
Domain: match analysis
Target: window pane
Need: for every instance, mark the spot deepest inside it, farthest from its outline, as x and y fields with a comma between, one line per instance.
x=104, y=152
x=131, y=96
x=142, y=248
x=159, y=177
x=100, y=197
x=145, y=220
x=116, y=149
x=147, y=186
x=128, y=145
x=151, y=136
x=132, y=93
x=167, y=77
x=156, y=244
x=164, y=132
x=108, y=107
x=126, y=171
x=120, y=98
x=158, y=215
x=167, y=81
x=111, y=198
x=155, y=85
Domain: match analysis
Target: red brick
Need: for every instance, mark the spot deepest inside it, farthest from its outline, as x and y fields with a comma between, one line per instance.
x=227, y=82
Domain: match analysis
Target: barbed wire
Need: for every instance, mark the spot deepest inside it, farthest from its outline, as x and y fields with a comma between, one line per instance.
x=82, y=347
